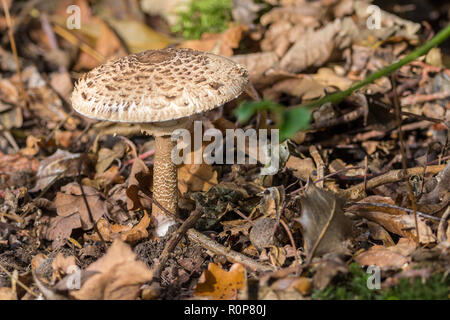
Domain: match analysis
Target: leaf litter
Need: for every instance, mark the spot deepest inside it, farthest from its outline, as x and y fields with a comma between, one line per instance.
x=75, y=198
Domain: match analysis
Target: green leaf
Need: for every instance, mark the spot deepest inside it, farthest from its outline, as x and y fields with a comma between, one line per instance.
x=248, y=108
x=294, y=120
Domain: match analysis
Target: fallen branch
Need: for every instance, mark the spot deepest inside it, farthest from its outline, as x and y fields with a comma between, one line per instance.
x=356, y=192
x=231, y=255
x=173, y=241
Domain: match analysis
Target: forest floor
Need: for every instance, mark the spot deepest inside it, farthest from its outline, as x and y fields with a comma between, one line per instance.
x=357, y=210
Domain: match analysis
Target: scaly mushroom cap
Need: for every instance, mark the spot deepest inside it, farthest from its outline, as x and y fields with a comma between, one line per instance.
x=158, y=85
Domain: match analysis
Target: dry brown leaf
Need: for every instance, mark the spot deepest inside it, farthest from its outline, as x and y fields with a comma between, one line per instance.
x=302, y=168
x=13, y=169
x=329, y=267
x=328, y=78
x=220, y=284
x=32, y=146
x=61, y=82
x=303, y=285
x=315, y=47
x=317, y=207
x=37, y=260
x=394, y=257
x=394, y=220
x=140, y=37
x=60, y=228
x=305, y=88
x=377, y=232
x=257, y=65
x=94, y=32
x=196, y=177
x=7, y=294
x=58, y=165
x=44, y=101
x=140, y=178
x=126, y=233
x=107, y=44
x=71, y=202
x=119, y=276
x=73, y=213
x=107, y=156
x=382, y=257
x=222, y=43
x=62, y=265
x=138, y=232
x=109, y=177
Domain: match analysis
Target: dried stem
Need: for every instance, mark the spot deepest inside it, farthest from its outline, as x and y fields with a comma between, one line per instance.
x=231, y=255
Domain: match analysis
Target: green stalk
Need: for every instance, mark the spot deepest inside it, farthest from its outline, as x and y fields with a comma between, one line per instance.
x=297, y=118
x=291, y=126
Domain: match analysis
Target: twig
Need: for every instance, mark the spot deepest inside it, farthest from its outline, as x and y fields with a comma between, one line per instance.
x=403, y=153
x=365, y=173
x=441, y=232
x=419, y=98
x=319, y=163
x=18, y=281
x=12, y=41
x=243, y=216
x=387, y=205
x=173, y=241
x=231, y=255
x=291, y=239
x=73, y=40
x=325, y=177
x=142, y=156
x=355, y=192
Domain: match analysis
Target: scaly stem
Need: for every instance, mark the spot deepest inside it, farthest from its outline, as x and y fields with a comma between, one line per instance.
x=165, y=188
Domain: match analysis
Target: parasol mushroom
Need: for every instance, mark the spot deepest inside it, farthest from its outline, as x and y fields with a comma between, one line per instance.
x=159, y=90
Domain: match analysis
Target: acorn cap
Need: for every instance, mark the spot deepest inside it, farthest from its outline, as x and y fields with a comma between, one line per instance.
x=158, y=85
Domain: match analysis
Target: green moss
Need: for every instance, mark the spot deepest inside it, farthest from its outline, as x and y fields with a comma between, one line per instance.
x=203, y=16
x=354, y=287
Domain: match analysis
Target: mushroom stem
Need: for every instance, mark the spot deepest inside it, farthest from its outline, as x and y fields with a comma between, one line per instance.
x=165, y=188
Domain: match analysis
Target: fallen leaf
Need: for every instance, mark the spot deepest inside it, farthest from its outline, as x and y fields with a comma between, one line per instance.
x=107, y=156
x=62, y=265
x=245, y=11
x=302, y=168
x=7, y=294
x=303, y=285
x=329, y=266
x=315, y=47
x=124, y=232
x=394, y=220
x=59, y=165
x=377, y=232
x=317, y=207
x=196, y=177
x=219, y=284
x=222, y=43
x=394, y=257
x=14, y=169
x=138, y=36
x=72, y=202
x=73, y=213
x=119, y=276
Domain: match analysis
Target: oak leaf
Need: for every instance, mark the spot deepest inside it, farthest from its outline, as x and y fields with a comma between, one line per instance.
x=118, y=275
x=220, y=284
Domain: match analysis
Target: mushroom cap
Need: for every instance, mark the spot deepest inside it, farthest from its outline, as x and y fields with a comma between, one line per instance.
x=158, y=85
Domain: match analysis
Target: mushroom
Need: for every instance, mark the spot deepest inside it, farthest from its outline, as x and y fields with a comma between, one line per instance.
x=159, y=90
